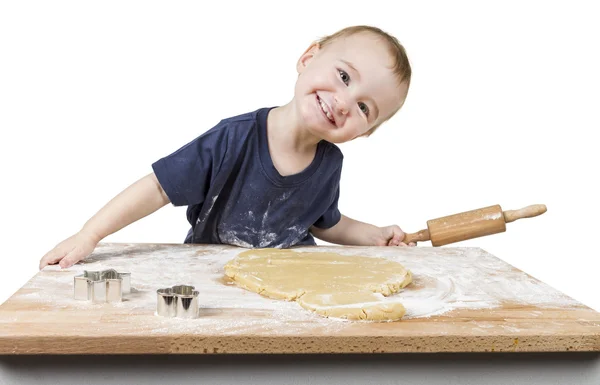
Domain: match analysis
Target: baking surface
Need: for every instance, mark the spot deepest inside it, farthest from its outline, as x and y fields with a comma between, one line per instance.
x=461, y=300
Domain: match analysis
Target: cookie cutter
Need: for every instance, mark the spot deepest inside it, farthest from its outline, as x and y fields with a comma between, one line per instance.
x=102, y=286
x=178, y=301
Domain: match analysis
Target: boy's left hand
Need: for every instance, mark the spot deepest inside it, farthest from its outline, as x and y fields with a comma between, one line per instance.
x=393, y=236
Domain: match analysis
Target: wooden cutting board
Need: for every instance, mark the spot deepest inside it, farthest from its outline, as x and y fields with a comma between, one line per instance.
x=461, y=300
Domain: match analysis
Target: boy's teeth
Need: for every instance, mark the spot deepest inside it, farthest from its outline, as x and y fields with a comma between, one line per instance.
x=324, y=108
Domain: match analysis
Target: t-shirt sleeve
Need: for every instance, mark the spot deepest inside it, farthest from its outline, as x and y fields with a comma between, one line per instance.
x=185, y=175
x=332, y=214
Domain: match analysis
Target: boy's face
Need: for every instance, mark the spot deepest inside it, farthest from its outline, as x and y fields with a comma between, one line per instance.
x=346, y=88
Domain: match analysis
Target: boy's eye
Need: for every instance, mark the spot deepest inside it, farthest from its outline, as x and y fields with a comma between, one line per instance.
x=345, y=77
x=364, y=108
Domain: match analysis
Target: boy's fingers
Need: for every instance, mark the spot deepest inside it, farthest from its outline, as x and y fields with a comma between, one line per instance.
x=398, y=234
x=70, y=259
x=51, y=258
x=43, y=262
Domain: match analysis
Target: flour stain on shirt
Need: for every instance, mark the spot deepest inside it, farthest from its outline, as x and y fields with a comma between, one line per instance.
x=260, y=237
x=265, y=215
x=231, y=238
x=212, y=204
x=242, y=238
x=298, y=232
x=285, y=195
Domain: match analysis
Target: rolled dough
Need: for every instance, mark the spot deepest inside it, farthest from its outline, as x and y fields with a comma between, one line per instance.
x=329, y=284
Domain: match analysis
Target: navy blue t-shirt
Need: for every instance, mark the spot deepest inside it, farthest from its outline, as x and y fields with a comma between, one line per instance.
x=236, y=196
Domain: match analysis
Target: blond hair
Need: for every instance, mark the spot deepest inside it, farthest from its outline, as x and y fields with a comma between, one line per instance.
x=401, y=67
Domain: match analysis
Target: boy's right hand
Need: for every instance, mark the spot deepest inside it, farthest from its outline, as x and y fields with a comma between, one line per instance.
x=70, y=251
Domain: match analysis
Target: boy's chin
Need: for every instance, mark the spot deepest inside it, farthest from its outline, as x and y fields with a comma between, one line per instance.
x=327, y=135
x=316, y=126
x=317, y=132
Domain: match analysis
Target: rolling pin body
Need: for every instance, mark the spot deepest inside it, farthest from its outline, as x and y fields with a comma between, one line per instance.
x=471, y=224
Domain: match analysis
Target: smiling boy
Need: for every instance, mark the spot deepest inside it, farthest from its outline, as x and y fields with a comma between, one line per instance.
x=270, y=178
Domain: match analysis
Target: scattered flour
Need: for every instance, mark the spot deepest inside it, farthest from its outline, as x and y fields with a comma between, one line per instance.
x=444, y=279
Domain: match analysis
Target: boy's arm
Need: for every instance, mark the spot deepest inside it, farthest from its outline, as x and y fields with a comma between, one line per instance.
x=135, y=202
x=140, y=199
x=349, y=231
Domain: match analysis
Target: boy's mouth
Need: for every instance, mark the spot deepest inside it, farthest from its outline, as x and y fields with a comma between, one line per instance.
x=326, y=111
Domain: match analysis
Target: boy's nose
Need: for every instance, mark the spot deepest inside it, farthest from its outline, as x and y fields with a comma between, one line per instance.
x=341, y=105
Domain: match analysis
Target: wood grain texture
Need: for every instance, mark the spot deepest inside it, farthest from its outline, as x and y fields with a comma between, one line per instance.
x=43, y=318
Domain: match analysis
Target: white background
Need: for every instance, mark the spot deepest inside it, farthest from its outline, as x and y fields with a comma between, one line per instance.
x=503, y=109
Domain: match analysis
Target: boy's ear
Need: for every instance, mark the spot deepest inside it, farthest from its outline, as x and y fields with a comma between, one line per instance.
x=307, y=57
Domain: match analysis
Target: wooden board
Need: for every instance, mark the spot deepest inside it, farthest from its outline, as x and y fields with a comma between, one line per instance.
x=461, y=300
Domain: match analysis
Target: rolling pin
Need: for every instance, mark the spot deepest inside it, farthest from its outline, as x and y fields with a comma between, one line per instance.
x=471, y=224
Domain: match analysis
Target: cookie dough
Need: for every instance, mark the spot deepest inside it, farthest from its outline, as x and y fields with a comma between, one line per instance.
x=330, y=284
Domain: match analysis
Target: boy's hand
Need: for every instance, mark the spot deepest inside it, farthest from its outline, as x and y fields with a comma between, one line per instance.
x=349, y=231
x=138, y=200
x=70, y=251
x=393, y=236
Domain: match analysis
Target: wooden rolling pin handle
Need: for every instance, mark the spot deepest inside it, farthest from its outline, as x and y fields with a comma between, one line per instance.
x=420, y=236
x=526, y=212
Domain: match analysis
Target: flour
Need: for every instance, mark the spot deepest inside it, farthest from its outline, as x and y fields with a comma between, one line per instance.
x=247, y=237
x=260, y=237
x=492, y=216
x=285, y=196
x=232, y=237
x=444, y=279
x=300, y=233
x=212, y=203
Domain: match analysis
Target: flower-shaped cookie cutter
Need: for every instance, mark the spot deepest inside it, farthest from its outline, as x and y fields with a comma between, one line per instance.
x=102, y=286
x=178, y=301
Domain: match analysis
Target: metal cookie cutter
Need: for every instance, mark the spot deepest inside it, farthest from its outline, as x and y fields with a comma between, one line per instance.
x=102, y=286
x=177, y=301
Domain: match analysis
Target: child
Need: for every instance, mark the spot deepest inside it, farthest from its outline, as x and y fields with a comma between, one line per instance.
x=270, y=178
